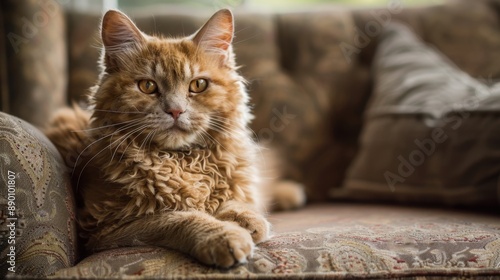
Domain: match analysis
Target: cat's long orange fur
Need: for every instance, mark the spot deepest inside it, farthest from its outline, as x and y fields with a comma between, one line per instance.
x=148, y=173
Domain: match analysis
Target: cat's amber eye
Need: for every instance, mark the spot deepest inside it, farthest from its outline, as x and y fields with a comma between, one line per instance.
x=148, y=86
x=198, y=85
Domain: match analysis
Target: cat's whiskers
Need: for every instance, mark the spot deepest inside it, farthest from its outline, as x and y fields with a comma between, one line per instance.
x=133, y=140
x=215, y=141
x=218, y=121
x=104, y=126
x=143, y=147
x=129, y=125
x=200, y=135
x=151, y=139
x=120, y=112
x=139, y=122
x=128, y=134
x=102, y=150
x=124, y=151
x=225, y=129
x=232, y=122
x=227, y=133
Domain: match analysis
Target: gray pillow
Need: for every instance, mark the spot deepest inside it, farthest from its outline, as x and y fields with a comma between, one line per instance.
x=431, y=132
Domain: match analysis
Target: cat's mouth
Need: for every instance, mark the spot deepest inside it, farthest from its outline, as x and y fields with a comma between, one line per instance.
x=177, y=128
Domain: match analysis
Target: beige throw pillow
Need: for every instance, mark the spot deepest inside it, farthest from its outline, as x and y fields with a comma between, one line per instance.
x=431, y=132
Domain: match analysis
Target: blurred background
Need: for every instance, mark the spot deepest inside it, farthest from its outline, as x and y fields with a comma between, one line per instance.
x=259, y=5
x=308, y=62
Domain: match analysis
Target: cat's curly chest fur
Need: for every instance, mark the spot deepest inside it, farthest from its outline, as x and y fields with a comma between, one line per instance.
x=173, y=181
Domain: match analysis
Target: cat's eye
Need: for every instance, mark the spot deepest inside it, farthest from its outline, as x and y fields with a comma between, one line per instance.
x=147, y=86
x=198, y=85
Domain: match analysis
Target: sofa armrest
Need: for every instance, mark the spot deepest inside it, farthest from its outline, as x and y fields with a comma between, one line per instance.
x=37, y=208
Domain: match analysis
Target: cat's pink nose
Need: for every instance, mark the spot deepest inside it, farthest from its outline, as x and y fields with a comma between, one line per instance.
x=175, y=113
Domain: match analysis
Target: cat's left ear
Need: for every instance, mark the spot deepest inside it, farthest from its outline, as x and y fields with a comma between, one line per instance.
x=217, y=35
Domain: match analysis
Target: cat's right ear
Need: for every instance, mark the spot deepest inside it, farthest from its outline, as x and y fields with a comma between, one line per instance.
x=119, y=35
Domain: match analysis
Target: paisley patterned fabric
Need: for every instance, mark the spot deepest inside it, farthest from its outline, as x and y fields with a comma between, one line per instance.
x=45, y=237
x=333, y=242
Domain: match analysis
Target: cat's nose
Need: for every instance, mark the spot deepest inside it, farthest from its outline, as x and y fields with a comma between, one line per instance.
x=175, y=113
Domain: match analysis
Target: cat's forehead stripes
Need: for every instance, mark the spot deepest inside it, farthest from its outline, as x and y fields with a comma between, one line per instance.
x=175, y=61
x=187, y=70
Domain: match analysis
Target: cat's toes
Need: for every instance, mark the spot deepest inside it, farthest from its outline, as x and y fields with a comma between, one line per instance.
x=256, y=224
x=258, y=227
x=227, y=248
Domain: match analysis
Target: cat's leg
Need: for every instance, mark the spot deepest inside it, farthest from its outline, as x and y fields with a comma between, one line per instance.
x=198, y=234
x=247, y=217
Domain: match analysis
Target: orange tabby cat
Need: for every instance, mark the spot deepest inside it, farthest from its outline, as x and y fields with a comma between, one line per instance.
x=164, y=155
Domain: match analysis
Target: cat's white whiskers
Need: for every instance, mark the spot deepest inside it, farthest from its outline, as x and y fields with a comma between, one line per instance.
x=104, y=126
x=218, y=121
x=130, y=125
x=225, y=131
x=144, y=142
x=133, y=140
x=220, y=145
x=151, y=140
x=224, y=128
x=247, y=128
x=102, y=150
x=200, y=135
x=128, y=134
x=121, y=112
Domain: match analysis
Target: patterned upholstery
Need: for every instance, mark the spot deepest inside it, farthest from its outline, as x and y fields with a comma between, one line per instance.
x=309, y=77
x=334, y=241
x=45, y=229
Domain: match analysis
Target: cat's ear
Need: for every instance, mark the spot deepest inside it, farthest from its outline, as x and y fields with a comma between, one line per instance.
x=119, y=31
x=119, y=35
x=217, y=35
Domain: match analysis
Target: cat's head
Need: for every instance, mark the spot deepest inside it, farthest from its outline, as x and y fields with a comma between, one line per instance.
x=171, y=92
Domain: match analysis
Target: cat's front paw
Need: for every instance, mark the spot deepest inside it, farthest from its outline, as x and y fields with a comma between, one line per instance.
x=225, y=248
x=256, y=224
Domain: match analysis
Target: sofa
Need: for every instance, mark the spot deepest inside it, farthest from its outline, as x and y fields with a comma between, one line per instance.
x=356, y=105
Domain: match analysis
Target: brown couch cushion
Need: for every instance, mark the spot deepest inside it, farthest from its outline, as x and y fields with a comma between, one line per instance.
x=432, y=133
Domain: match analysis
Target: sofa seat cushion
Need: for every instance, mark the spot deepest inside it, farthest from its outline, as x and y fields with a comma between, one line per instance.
x=334, y=241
